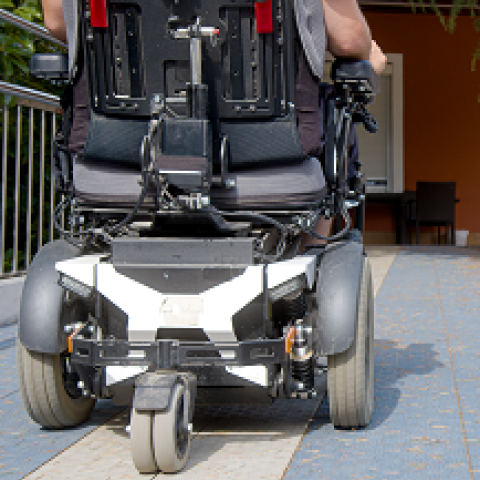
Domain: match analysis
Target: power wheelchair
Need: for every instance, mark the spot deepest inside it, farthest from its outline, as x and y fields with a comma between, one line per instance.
x=180, y=277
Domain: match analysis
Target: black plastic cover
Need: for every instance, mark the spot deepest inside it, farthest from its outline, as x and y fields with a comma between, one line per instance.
x=42, y=309
x=153, y=390
x=181, y=252
x=338, y=284
x=51, y=66
x=356, y=71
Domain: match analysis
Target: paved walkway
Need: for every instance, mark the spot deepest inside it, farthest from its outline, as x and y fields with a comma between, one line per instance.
x=427, y=350
x=426, y=424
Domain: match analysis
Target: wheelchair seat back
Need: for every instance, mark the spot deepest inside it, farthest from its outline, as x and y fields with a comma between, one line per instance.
x=240, y=91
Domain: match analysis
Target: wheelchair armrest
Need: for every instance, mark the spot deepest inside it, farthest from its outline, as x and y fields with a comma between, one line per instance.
x=356, y=72
x=50, y=66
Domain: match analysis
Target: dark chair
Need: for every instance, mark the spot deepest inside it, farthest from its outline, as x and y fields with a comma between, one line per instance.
x=435, y=206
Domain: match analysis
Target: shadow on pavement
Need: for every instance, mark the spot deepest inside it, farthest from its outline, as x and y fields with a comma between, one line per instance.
x=393, y=363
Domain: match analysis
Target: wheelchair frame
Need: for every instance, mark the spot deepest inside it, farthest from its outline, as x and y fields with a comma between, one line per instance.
x=239, y=306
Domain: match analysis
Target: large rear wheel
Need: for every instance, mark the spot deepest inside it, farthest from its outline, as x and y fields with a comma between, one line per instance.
x=351, y=373
x=49, y=394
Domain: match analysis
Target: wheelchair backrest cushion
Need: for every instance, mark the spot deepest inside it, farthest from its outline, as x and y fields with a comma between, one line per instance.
x=251, y=78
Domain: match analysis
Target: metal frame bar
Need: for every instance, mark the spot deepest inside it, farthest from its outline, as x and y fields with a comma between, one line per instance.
x=173, y=354
x=29, y=94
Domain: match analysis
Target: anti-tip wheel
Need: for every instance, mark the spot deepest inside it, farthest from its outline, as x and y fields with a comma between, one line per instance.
x=171, y=440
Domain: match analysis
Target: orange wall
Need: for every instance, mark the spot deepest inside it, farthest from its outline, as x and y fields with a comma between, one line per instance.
x=441, y=108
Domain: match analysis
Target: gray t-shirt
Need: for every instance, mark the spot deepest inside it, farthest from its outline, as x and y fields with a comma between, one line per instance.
x=311, y=28
x=70, y=13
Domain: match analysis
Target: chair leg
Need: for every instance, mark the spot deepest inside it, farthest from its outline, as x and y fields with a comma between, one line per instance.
x=417, y=231
x=438, y=234
x=454, y=240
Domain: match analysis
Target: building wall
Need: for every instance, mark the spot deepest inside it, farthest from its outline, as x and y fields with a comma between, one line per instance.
x=442, y=112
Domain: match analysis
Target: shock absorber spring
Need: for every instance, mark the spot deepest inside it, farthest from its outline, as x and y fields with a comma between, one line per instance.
x=295, y=307
x=302, y=361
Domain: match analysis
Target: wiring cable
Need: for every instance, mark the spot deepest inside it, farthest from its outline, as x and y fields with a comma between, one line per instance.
x=337, y=236
x=280, y=248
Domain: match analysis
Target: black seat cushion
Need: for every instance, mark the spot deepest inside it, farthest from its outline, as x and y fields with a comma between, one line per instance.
x=284, y=186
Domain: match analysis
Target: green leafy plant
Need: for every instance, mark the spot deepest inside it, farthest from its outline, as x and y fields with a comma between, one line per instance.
x=449, y=20
x=17, y=46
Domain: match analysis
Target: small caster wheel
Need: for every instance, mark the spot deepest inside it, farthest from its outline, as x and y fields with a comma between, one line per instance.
x=141, y=441
x=171, y=439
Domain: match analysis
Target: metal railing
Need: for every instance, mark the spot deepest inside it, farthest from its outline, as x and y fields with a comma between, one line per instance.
x=28, y=196
x=37, y=30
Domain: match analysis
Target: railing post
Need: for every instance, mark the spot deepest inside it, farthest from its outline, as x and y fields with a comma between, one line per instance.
x=3, y=218
x=41, y=181
x=18, y=151
x=52, y=175
x=28, y=236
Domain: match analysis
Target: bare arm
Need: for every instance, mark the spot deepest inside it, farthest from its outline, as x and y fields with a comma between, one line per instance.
x=347, y=31
x=53, y=18
x=349, y=35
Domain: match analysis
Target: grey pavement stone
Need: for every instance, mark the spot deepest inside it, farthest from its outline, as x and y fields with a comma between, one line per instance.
x=10, y=293
x=426, y=420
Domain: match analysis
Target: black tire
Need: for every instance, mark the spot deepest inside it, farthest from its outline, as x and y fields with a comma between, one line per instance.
x=41, y=381
x=141, y=441
x=351, y=373
x=171, y=442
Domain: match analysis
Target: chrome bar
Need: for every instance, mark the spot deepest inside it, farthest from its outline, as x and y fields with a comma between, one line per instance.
x=3, y=226
x=28, y=227
x=18, y=145
x=62, y=199
x=52, y=176
x=29, y=94
x=29, y=27
x=41, y=180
